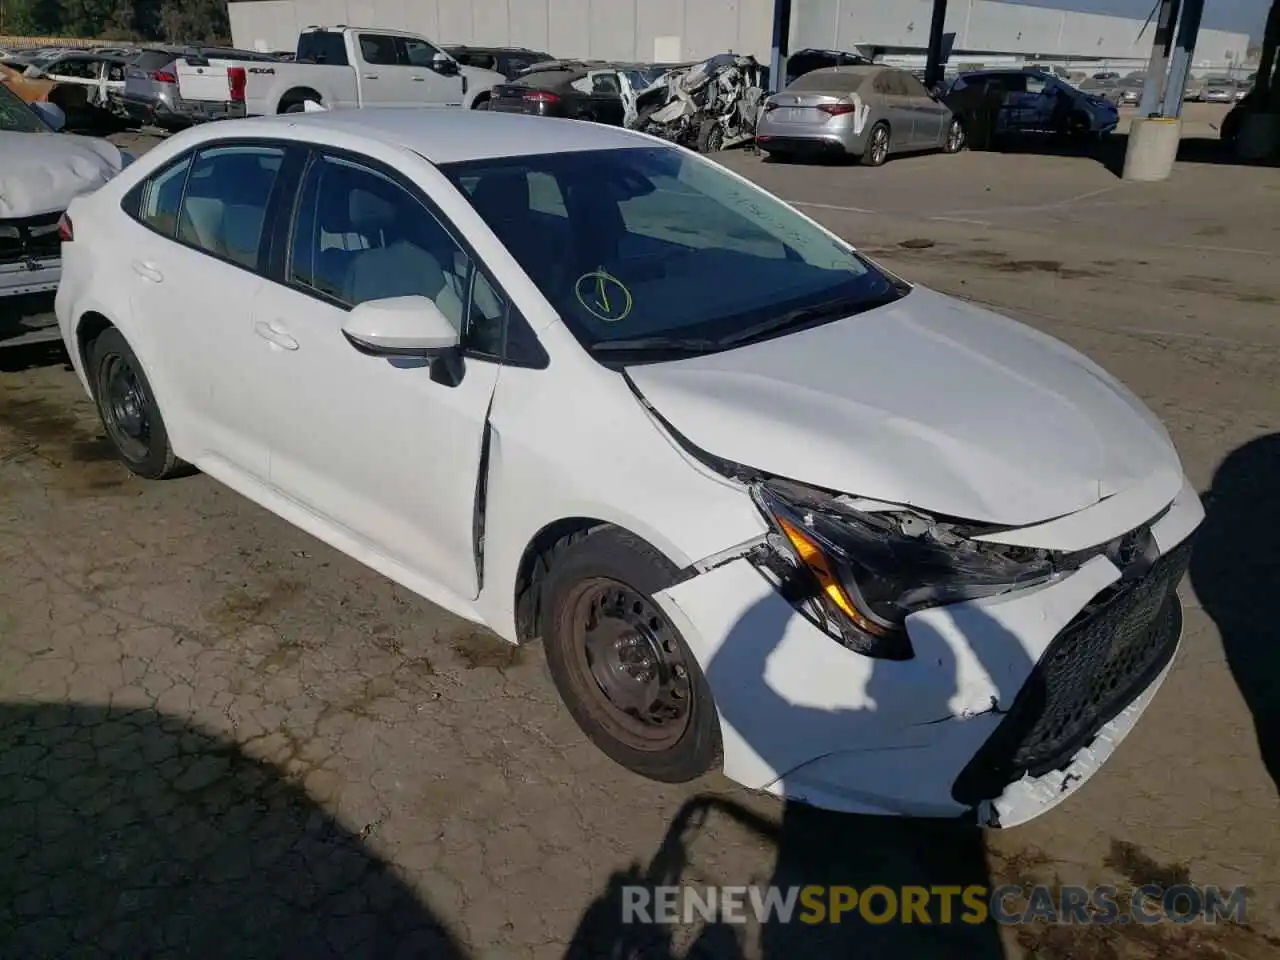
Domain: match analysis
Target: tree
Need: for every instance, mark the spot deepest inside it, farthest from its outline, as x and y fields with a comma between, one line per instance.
x=195, y=21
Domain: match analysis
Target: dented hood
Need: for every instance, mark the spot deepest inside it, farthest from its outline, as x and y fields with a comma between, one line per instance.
x=44, y=172
x=930, y=402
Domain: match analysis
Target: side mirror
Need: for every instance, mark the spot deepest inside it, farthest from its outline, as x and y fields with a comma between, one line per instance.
x=444, y=65
x=401, y=327
x=51, y=114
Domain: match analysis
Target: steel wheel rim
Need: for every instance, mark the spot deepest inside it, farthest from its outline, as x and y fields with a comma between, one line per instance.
x=125, y=408
x=879, y=145
x=631, y=665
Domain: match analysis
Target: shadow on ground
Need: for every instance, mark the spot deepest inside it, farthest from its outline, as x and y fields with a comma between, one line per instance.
x=1235, y=570
x=129, y=833
x=1110, y=151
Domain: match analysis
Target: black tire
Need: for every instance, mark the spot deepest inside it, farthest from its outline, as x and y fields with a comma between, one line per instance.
x=608, y=577
x=481, y=104
x=956, y=137
x=127, y=407
x=710, y=137
x=296, y=107
x=879, y=143
x=779, y=156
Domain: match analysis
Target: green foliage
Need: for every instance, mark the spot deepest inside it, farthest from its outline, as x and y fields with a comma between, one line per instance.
x=189, y=21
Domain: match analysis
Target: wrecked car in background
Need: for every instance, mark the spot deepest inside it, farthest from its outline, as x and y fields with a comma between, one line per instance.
x=710, y=106
x=41, y=172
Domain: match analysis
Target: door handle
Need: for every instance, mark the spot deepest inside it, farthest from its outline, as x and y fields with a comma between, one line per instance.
x=273, y=334
x=419, y=79
x=371, y=76
x=147, y=272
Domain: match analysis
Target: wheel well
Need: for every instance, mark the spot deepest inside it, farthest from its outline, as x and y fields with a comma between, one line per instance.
x=533, y=567
x=482, y=98
x=297, y=95
x=92, y=325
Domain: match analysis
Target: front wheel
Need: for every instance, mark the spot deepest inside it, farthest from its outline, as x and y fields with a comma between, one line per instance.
x=620, y=666
x=481, y=104
x=955, y=137
x=710, y=137
x=128, y=409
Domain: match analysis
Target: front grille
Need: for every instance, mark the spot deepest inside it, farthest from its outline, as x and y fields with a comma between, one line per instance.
x=30, y=238
x=1091, y=671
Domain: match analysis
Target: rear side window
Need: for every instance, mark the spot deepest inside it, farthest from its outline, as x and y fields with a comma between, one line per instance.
x=317, y=47
x=162, y=197
x=225, y=204
x=377, y=49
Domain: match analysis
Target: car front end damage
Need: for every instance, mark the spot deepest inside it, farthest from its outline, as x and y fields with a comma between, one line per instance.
x=870, y=658
x=30, y=255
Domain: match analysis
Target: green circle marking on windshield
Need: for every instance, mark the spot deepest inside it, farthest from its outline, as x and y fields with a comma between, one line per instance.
x=603, y=296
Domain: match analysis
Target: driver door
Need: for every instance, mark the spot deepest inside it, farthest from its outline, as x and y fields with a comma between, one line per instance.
x=385, y=452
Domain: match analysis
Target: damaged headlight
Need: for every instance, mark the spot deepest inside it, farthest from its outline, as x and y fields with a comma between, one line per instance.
x=868, y=570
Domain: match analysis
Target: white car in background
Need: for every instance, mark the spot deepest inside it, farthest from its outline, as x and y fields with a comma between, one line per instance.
x=858, y=543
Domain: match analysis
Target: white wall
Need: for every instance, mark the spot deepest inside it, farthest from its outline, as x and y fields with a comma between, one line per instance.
x=990, y=26
x=643, y=30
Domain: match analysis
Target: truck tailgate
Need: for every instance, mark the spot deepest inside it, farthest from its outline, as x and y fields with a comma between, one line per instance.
x=205, y=81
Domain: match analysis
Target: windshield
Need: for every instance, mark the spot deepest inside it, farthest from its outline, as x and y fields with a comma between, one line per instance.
x=16, y=116
x=652, y=243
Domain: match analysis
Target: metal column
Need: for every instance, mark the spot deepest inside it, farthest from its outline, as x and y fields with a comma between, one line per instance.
x=781, y=44
x=1157, y=69
x=933, y=66
x=1184, y=52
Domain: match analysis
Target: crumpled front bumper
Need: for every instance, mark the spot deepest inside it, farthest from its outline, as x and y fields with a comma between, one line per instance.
x=30, y=276
x=804, y=718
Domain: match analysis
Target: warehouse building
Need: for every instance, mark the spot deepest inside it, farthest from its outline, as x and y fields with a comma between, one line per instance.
x=667, y=31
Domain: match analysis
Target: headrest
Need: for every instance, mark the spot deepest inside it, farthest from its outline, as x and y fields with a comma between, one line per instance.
x=368, y=211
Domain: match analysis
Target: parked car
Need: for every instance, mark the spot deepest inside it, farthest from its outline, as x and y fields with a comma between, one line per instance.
x=1131, y=89
x=1229, y=129
x=1107, y=88
x=1218, y=90
x=99, y=77
x=508, y=61
x=810, y=59
x=1032, y=101
x=41, y=170
x=576, y=91
x=342, y=67
x=152, y=93
x=946, y=586
x=864, y=112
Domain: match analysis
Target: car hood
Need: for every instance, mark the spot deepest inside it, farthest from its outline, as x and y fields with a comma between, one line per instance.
x=929, y=402
x=44, y=172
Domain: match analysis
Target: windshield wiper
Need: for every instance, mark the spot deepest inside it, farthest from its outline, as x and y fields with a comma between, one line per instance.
x=640, y=344
x=832, y=309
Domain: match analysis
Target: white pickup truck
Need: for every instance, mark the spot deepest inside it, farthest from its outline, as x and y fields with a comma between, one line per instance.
x=342, y=67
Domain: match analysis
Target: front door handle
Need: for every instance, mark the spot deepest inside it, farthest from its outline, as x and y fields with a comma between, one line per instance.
x=147, y=272
x=371, y=76
x=419, y=79
x=273, y=334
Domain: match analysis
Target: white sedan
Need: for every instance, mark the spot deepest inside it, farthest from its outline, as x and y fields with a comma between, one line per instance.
x=769, y=507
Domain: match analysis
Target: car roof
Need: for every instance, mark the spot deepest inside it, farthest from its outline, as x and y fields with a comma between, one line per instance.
x=446, y=136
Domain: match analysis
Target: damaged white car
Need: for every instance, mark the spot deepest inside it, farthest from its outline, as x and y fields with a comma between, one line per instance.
x=41, y=170
x=769, y=507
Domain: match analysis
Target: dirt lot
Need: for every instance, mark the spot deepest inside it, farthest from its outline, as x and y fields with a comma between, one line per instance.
x=220, y=738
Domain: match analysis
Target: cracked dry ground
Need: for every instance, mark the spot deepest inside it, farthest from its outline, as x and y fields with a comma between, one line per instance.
x=220, y=738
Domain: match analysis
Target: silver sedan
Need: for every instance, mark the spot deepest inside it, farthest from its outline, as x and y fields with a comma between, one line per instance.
x=869, y=112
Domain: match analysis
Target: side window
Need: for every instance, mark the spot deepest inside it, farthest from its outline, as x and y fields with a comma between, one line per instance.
x=1035, y=85
x=881, y=84
x=378, y=50
x=161, y=198
x=417, y=53
x=225, y=204
x=360, y=236
x=603, y=83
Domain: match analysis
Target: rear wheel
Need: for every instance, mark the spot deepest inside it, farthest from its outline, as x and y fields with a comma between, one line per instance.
x=128, y=409
x=877, y=150
x=621, y=667
x=955, y=137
